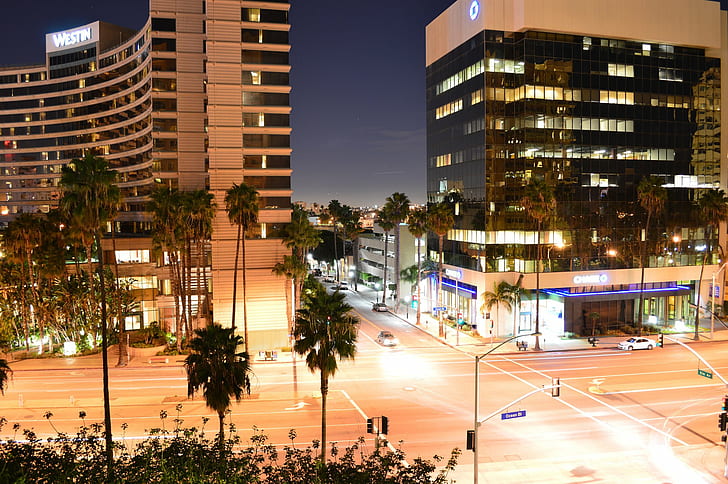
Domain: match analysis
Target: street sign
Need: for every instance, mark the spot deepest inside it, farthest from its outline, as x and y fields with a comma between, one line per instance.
x=439, y=308
x=510, y=415
x=704, y=373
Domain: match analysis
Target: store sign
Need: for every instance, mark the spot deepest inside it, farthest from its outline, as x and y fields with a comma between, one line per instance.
x=454, y=273
x=474, y=9
x=591, y=279
x=76, y=37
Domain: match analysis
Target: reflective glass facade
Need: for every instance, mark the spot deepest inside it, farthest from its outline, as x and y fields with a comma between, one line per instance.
x=589, y=115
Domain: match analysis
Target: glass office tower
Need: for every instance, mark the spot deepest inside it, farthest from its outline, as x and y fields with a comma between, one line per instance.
x=591, y=108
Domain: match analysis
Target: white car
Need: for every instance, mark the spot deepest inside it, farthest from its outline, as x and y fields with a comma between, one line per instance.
x=380, y=307
x=637, y=343
x=342, y=286
x=386, y=338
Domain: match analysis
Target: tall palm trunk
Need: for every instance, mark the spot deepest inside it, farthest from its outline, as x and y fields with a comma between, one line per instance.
x=441, y=326
x=245, y=298
x=221, y=435
x=324, y=394
x=384, y=289
x=700, y=280
x=336, y=255
x=419, y=270
x=643, y=251
x=396, y=268
x=123, y=348
x=537, y=345
x=105, y=362
x=235, y=277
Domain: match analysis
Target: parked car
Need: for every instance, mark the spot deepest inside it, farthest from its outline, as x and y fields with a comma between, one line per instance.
x=637, y=343
x=380, y=307
x=342, y=286
x=329, y=279
x=386, y=338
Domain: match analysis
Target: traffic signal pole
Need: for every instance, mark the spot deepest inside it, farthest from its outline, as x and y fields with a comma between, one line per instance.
x=721, y=424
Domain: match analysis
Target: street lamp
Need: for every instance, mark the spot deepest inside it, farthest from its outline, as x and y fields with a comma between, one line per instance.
x=477, y=399
x=712, y=299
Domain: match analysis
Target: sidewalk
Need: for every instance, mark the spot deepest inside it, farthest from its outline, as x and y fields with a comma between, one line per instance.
x=477, y=344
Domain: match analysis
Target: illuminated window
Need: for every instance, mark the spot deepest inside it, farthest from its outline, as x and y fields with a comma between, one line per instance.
x=621, y=70
x=255, y=76
x=476, y=97
x=449, y=108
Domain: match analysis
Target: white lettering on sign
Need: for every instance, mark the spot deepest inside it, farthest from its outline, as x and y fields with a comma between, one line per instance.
x=73, y=38
x=591, y=279
x=455, y=274
x=65, y=39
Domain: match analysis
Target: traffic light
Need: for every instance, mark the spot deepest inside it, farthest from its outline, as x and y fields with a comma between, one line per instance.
x=385, y=425
x=725, y=403
x=470, y=440
x=370, y=426
x=661, y=340
x=722, y=421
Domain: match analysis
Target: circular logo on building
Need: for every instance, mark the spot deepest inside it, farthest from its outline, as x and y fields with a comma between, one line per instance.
x=474, y=9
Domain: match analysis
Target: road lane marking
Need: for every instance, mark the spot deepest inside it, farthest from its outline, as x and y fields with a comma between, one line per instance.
x=365, y=417
x=612, y=407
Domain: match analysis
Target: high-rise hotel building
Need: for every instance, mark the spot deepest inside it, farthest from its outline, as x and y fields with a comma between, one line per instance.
x=196, y=99
x=589, y=97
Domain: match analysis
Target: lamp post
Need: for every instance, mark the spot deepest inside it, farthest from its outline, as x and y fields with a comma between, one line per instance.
x=712, y=299
x=476, y=420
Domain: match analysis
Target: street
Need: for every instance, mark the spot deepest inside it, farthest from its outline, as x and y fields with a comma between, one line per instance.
x=639, y=416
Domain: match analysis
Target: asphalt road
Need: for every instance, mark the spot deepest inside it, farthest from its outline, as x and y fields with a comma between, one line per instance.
x=642, y=416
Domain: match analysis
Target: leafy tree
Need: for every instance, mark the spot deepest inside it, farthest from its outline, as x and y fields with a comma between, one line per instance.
x=5, y=373
x=440, y=220
x=417, y=225
x=713, y=206
x=384, y=220
x=20, y=239
x=241, y=204
x=216, y=368
x=652, y=196
x=92, y=198
x=398, y=209
x=539, y=202
x=325, y=332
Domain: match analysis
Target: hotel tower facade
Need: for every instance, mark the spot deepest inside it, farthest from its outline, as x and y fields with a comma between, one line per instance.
x=589, y=97
x=196, y=99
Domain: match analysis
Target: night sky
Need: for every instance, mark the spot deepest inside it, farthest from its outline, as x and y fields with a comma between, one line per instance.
x=358, y=86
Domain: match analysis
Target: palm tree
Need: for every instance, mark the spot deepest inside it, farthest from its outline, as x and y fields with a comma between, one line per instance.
x=351, y=229
x=91, y=196
x=651, y=195
x=241, y=204
x=215, y=367
x=440, y=220
x=168, y=227
x=199, y=212
x=384, y=221
x=502, y=295
x=294, y=271
x=417, y=225
x=539, y=202
x=713, y=206
x=398, y=209
x=334, y=212
x=5, y=374
x=325, y=332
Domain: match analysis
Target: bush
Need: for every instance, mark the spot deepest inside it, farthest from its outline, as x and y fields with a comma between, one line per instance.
x=186, y=455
